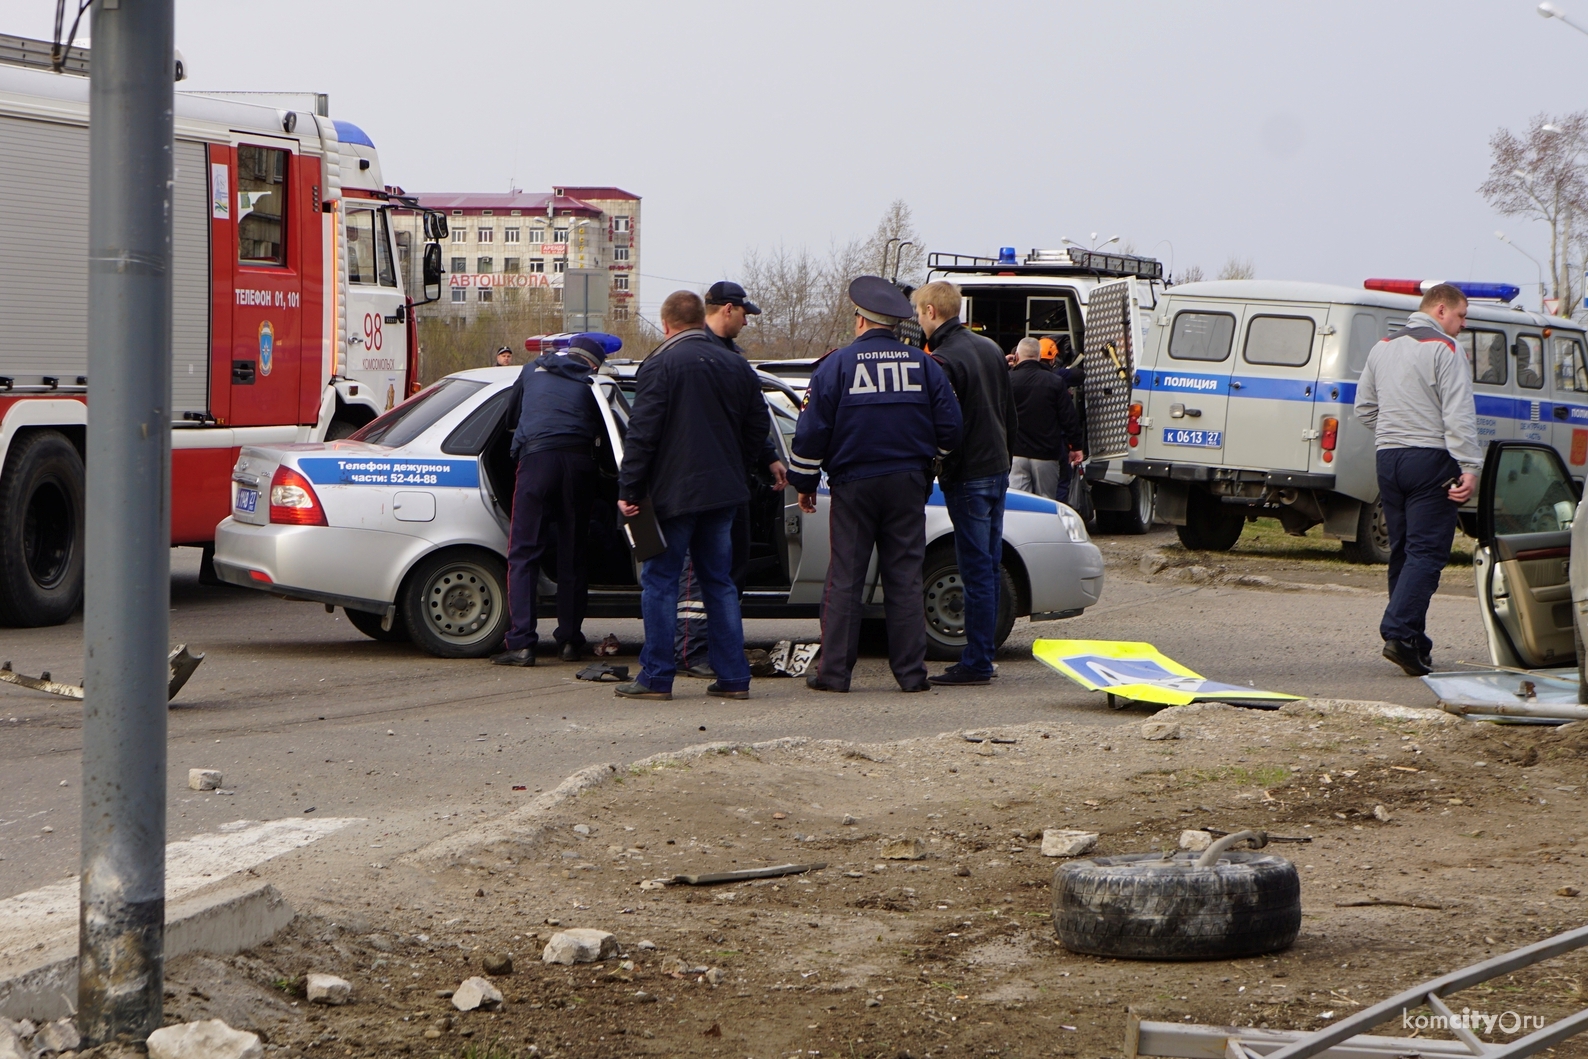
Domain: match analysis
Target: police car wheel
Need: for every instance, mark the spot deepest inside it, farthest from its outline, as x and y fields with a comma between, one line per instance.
x=41, y=530
x=455, y=603
x=1137, y=907
x=1372, y=537
x=370, y=625
x=944, y=600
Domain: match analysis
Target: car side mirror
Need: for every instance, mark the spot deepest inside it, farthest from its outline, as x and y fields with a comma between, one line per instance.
x=435, y=226
x=432, y=270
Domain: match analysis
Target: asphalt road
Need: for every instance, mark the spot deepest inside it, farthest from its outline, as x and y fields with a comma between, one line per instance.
x=300, y=711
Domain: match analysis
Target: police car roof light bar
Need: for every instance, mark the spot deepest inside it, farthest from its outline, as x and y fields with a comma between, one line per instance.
x=561, y=341
x=1049, y=263
x=1504, y=292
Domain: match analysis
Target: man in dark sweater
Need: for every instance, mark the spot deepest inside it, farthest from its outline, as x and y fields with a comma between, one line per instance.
x=1048, y=439
x=699, y=421
x=975, y=476
x=557, y=423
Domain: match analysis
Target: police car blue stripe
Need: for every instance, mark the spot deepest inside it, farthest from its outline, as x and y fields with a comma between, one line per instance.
x=1013, y=501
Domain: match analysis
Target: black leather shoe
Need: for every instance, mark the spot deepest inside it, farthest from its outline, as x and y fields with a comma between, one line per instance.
x=571, y=652
x=636, y=690
x=716, y=690
x=524, y=656
x=926, y=686
x=957, y=676
x=701, y=672
x=1406, y=656
x=1427, y=659
x=816, y=685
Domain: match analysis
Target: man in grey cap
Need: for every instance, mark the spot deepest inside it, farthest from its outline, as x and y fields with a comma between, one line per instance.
x=878, y=413
x=728, y=310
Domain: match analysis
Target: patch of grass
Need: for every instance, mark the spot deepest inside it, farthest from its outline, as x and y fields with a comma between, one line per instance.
x=1267, y=538
x=1241, y=775
x=492, y=1050
x=296, y=987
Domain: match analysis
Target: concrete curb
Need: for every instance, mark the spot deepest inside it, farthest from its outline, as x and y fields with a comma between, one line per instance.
x=223, y=921
x=523, y=824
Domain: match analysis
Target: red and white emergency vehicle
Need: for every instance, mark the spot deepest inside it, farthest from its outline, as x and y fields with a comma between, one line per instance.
x=291, y=322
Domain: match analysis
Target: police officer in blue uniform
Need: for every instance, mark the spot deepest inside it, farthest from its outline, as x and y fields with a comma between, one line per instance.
x=877, y=414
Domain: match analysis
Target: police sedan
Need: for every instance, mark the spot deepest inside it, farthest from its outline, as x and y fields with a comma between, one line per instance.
x=404, y=525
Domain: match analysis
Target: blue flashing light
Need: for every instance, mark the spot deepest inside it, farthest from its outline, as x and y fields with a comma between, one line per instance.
x=1502, y=291
x=1006, y=256
x=347, y=132
x=560, y=342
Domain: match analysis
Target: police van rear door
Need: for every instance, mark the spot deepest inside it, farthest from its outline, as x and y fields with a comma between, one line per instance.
x=1187, y=390
x=1272, y=387
x=1112, y=314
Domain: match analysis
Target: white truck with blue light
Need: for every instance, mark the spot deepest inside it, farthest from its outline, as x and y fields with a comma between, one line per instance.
x=1095, y=306
x=1243, y=401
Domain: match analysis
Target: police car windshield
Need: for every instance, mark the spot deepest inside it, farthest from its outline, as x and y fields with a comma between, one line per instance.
x=417, y=414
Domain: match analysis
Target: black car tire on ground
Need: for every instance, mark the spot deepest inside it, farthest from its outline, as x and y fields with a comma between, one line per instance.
x=944, y=600
x=41, y=530
x=1210, y=526
x=454, y=603
x=1138, y=519
x=1138, y=907
x=1582, y=662
x=1372, y=537
x=369, y=624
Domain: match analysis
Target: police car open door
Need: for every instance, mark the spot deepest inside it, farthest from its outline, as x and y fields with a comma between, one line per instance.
x=1526, y=506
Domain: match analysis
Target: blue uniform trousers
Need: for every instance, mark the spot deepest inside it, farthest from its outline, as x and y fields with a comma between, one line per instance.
x=553, y=490
x=976, y=507
x=1421, y=520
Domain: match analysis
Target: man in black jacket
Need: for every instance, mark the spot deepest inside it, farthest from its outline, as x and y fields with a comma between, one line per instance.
x=1048, y=437
x=699, y=421
x=556, y=423
x=975, y=476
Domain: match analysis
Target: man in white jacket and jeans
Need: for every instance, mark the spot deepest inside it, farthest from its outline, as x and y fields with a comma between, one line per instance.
x=1416, y=395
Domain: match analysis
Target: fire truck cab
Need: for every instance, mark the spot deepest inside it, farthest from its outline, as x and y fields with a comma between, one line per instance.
x=290, y=317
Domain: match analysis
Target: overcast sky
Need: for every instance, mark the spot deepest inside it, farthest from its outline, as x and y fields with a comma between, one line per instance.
x=1324, y=141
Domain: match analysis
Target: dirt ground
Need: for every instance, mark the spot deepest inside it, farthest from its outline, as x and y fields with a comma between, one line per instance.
x=953, y=954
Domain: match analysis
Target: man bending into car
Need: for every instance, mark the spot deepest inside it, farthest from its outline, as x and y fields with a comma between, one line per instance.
x=1415, y=394
x=558, y=421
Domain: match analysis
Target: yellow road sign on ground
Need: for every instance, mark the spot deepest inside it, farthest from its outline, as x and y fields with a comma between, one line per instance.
x=1140, y=672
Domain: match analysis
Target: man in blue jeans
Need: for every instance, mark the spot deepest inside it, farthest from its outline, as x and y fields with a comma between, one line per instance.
x=699, y=422
x=1415, y=394
x=974, y=476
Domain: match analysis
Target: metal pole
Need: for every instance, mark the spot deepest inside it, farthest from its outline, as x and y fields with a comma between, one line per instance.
x=121, y=913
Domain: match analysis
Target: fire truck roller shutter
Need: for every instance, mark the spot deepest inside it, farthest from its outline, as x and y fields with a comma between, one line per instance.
x=190, y=266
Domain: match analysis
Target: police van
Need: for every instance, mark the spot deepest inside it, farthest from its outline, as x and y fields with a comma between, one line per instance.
x=1095, y=306
x=1244, y=393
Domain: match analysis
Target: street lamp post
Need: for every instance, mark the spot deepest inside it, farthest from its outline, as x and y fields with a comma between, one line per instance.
x=1549, y=10
x=1502, y=237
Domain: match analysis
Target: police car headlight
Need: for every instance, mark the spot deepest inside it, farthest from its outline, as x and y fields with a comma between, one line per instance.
x=1073, y=524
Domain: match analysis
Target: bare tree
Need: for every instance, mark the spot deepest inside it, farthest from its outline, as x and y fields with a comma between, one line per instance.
x=896, y=248
x=1543, y=175
x=1238, y=268
x=1192, y=274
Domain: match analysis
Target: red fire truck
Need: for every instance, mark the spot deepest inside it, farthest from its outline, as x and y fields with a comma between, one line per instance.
x=291, y=319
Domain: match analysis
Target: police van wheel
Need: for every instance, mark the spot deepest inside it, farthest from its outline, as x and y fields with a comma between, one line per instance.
x=41, y=530
x=1138, y=519
x=1372, y=537
x=945, y=606
x=455, y=603
x=370, y=625
x=1209, y=525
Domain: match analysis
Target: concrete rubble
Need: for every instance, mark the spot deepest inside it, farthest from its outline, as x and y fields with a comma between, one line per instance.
x=579, y=945
x=327, y=989
x=203, y=779
x=1062, y=842
x=1196, y=841
x=476, y=994
x=1155, y=730
x=210, y=1039
x=903, y=849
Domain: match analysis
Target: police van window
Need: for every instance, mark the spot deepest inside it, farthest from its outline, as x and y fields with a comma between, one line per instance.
x=388, y=275
x=1364, y=336
x=1201, y=336
x=1485, y=352
x=1285, y=341
x=261, y=205
x=1530, y=362
x=417, y=414
x=361, y=247
x=1570, y=372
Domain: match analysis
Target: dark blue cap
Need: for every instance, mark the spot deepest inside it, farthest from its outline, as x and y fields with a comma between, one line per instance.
x=876, y=297
x=596, y=343
x=724, y=292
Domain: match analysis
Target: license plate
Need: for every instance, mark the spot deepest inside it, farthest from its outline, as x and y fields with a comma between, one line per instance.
x=247, y=500
x=1201, y=439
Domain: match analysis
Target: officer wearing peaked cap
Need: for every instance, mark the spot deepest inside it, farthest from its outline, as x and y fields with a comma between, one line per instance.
x=877, y=414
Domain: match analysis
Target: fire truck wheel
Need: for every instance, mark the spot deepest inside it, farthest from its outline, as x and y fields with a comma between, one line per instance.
x=1372, y=537
x=339, y=429
x=41, y=530
x=1141, y=907
x=455, y=603
x=1210, y=526
x=369, y=625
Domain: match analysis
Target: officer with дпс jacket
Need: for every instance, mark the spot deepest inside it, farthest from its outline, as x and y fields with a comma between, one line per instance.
x=877, y=414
